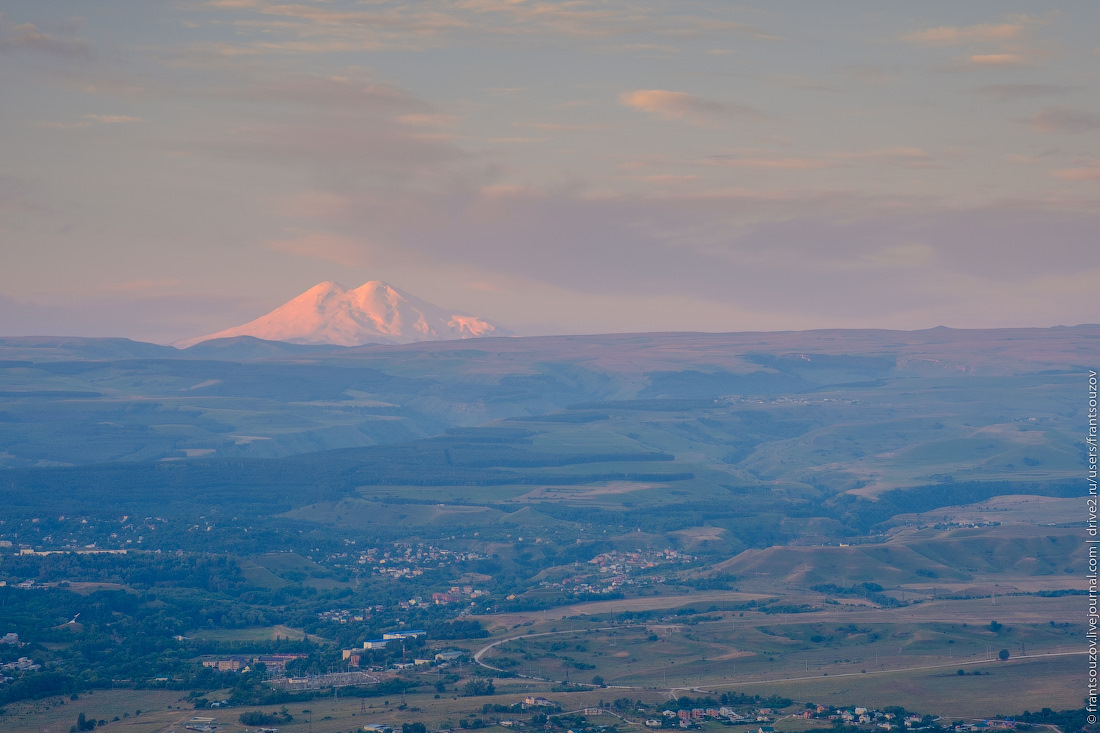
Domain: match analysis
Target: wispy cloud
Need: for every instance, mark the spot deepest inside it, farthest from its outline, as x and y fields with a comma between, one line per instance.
x=997, y=59
x=1056, y=121
x=949, y=35
x=560, y=126
x=872, y=74
x=29, y=37
x=1088, y=172
x=669, y=178
x=113, y=119
x=281, y=27
x=765, y=162
x=1011, y=92
x=683, y=106
x=900, y=157
x=329, y=246
x=89, y=120
x=150, y=287
x=274, y=26
x=313, y=204
x=518, y=139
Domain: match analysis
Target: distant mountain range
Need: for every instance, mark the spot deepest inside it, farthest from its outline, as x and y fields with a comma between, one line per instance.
x=374, y=313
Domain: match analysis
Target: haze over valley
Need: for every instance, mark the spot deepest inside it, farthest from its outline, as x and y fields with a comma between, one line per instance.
x=774, y=486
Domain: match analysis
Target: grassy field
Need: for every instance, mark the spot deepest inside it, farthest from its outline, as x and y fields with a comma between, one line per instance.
x=1002, y=687
x=1028, y=683
x=255, y=633
x=160, y=710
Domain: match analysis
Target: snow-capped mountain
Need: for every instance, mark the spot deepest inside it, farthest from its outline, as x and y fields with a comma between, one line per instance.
x=374, y=313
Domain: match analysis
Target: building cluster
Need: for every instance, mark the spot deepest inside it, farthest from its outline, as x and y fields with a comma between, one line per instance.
x=23, y=664
x=694, y=716
x=457, y=594
x=345, y=616
x=275, y=663
x=354, y=657
x=618, y=561
x=889, y=721
x=618, y=569
x=402, y=559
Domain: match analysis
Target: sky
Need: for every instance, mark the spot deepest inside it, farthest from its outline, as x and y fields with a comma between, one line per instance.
x=170, y=168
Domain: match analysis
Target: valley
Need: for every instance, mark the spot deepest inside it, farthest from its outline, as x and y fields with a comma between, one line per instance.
x=841, y=518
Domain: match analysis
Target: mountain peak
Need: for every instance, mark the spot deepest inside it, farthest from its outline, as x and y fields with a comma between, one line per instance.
x=374, y=313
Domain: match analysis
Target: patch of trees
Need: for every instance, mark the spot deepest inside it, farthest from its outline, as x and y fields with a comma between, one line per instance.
x=460, y=629
x=258, y=717
x=479, y=686
x=727, y=698
x=1070, y=721
x=870, y=591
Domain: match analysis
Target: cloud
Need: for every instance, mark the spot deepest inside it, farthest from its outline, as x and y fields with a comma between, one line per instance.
x=997, y=59
x=359, y=129
x=332, y=247
x=149, y=287
x=89, y=120
x=915, y=254
x=947, y=35
x=847, y=259
x=518, y=139
x=352, y=93
x=683, y=106
x=768, y=162
x=1057, y=121
x=113, y=119
x=29, y=37
x=872, y=74
x=668, y=178
x=275, y=26
x=313, y=204
x=901, y=157
x=1011, y=92
x=559, y=126
x=1089, y=172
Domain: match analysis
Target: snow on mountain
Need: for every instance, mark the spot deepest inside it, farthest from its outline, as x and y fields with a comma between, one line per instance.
x=374, y=313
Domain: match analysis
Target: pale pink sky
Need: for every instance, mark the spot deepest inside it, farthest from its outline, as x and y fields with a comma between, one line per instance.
x=172, y=168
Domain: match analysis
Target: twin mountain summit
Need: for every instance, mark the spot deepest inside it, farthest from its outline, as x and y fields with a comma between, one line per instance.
x=374, y=313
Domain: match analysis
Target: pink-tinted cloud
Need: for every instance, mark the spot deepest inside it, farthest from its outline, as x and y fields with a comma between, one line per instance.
x=763, y=162
x=29, y=37
x=559, y=126
x=1012, y=92
x=899, y=157
x=873, y=74
x=997, y=59
x=168, y=287
x=947, y=35
x=1090, y=172
x=313, y=204
x=1056, y=121
x=337, y=248
x=671, y=105
x=113, y=119
x=89, y=120
x=355, y=128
